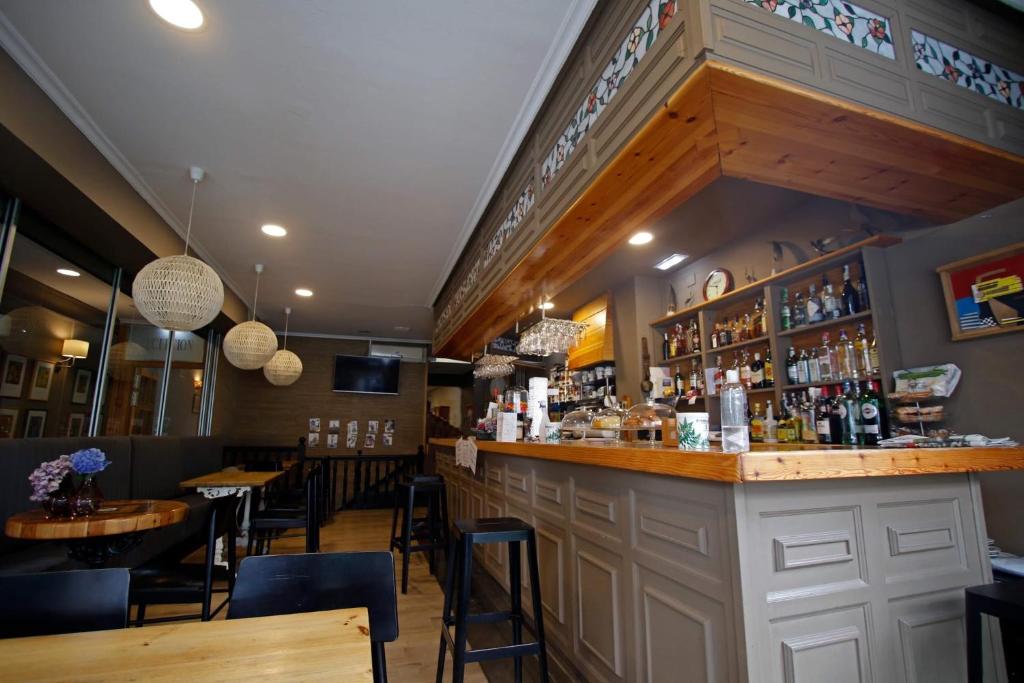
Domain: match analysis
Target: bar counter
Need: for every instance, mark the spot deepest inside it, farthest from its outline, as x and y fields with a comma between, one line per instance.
x=794, y=563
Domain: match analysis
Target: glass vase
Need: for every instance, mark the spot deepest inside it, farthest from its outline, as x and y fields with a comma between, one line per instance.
x=88, y=499
x=58, y=505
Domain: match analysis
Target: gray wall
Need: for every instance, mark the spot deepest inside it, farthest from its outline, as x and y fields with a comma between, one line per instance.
x=991, y=391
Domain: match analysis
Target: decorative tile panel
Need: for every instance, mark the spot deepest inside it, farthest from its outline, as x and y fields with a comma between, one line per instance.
x=842, y=20
x=633, y=48
x=937, y=58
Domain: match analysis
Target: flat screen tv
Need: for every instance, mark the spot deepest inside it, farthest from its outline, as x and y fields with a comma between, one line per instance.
x=366, y=374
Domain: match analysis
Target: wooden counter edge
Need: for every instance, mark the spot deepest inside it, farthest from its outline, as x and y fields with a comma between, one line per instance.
x=765, y=465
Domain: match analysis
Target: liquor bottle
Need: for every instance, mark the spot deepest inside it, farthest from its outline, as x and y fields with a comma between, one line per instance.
x=829, y=305
x=785, y=321
x=719, y=374
x=680, y=389
x=748, y=327
x=769, y=369
x=666, y=348
x=771, y=425
x=725, y=334
x=745, y=373
x=813, y=367
x=870, y=416
x=692, y=423
x=863, y=348
x=826, y=370
x=835, y=415
x=715, y=330
x=758, y=330
x=873, y=353
x=822, y=422
x=863, y=300
x=802, y=368
x=791, y=370
x=694, y=379
x=695, y=337
x=783, y=430
x=814, y=306
x=848, y=299
x=849, y=413
x=672, y=350
x=808, y=423
x=799, y=311
x=757, y=424
x=846, y=357
x=757, y=372
x=795, y=426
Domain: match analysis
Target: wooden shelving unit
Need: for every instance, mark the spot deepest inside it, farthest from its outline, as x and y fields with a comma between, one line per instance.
x=878, y=320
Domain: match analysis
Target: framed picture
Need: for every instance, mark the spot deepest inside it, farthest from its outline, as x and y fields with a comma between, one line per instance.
x=42, y=378
x=35, y=422
x=13, y=377
x=352, y=427
x=313, y=439
x=372, y=426
x=371, y=440
x=389, y=426
x=76, y=424
x=332, y=440
x=80, y=389
x=388, y=439
x=351, y=439
x=985, y=293
x=333, y=426
x=8, y=418
x=314, y=424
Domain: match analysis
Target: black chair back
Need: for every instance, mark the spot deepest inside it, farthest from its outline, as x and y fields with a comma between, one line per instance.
x=63, y=602
x=289, y=584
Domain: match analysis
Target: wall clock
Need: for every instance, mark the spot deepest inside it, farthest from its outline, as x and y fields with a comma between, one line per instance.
x=718, y=282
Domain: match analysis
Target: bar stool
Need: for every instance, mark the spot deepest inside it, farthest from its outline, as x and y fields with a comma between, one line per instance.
x=1004, y=600
x=430, y=532
x=468, y=533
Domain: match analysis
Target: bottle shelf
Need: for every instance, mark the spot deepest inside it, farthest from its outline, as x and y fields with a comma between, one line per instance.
x=875, y=377
x=679, y=359
x=835, y=322
x=739, y=345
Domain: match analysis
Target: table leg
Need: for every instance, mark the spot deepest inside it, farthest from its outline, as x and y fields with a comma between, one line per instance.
x=243, y=493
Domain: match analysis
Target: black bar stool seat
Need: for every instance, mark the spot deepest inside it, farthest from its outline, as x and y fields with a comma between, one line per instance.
x=1003, y=599
x=468, y=533
x=420, y=534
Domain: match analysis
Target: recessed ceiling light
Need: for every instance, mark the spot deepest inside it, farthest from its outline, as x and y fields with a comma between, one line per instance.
x=181, y=13
x=68, y=272
x=642, y=237
x=547, y=305
x=671, y=261
x=401, y=328
x=274, y=230
x=302, y=291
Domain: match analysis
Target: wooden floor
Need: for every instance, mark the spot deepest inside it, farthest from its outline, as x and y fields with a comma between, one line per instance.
x=413, y=657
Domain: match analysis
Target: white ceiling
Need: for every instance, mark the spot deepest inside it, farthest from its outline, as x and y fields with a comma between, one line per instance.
x=374, y=131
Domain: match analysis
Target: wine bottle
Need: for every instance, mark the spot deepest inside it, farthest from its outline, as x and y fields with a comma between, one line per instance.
x=769, y=369
x=785, y=315
x=799, y=314
x=870, y=416
x=746, y=375
x=791, y=369
x=863, y=301
x=826, y=370
x=680, y=389
x=849, y=410
x=814, y=306
x=849, y=295
x=829, y=305
x=823, y=423
x=803, y=368
x=757, y=372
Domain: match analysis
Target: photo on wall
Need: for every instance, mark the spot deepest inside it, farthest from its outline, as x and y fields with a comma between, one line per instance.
x=332, y=440
x=35, y=423
x=372, y=426
x=80, y=390
x=334, y=426
x=389, y=426
x=13, y=377
x=8, y=419
x=76, y=424
x=351, y=440
x=42, y=378
x=312, y=439
x=371, y=441
x=314, y=424
x=388, y=439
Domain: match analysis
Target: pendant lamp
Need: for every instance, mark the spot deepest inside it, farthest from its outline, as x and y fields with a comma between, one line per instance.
x=179, y=293
x=285, y=367
x=250, y=345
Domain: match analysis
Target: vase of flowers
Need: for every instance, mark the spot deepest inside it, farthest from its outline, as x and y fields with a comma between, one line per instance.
x=52, y=486
x=88, y=462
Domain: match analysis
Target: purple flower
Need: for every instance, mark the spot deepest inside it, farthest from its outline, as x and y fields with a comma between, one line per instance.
x=47, y=477
x=89, y=461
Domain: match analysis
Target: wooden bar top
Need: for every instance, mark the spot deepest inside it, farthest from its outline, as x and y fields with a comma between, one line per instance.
x=315, y=646
x=765, y=462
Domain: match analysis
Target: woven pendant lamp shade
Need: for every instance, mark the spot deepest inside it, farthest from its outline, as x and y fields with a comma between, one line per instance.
x=178, y=293
x=250, y=345
x=283, y=369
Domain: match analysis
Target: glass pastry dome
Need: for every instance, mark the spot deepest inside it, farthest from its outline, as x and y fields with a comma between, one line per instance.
x=607, y=422
x=648, y=416
x=576, y=423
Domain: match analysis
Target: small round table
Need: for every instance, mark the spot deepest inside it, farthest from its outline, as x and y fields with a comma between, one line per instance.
x=117, y=527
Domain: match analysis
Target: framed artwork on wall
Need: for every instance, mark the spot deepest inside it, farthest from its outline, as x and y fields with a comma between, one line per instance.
x=80, y=390
x=13, y=377
x=8, y=419
x=76, y=424
x=985, y=293
x=42, y=378
x=35, y=422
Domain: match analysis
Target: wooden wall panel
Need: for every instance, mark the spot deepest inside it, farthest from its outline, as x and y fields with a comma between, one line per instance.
x=249, y=409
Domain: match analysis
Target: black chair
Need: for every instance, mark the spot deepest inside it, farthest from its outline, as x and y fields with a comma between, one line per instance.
x=63, y=602
x=428, y=533
x=290, y=584
x=1005, y=600
x=468, y=533
x=265, y=525
x=169, y=581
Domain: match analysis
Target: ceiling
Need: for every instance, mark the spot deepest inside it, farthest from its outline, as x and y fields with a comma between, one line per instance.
x=375, y=132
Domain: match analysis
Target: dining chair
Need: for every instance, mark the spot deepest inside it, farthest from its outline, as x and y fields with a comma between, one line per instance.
x=47, y=603
x=271, y=522
x=313, y=582
x=171, y=581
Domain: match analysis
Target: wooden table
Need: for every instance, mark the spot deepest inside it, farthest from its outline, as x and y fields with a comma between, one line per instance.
x=115, y=528
x=316, y=646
